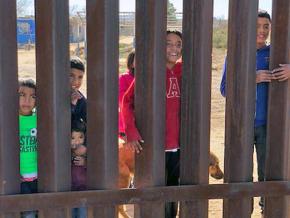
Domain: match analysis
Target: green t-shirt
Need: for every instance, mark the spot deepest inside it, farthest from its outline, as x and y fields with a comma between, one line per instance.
x=28, y=146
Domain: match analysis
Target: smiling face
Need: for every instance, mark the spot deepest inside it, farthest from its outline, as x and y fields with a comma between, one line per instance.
x=27, y=100
x=173, y=49
x=76, y=78
x=263, y=31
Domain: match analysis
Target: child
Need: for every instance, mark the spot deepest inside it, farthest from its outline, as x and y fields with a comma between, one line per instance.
x=263, y=77
x=78, y=101
x=78, y=166
x=172, y=143
x=27, y=139
x=125, y=81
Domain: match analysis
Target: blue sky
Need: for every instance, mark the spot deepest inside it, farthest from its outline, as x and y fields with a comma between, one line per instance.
x=220, y=6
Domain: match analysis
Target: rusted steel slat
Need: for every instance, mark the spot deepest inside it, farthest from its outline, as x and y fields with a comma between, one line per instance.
x=278, y=141
x=240, y=101
x=195, y=108
x=150, y=98
x=9, y=140
x=53, y=97
x=135, y=196
x=102, y=37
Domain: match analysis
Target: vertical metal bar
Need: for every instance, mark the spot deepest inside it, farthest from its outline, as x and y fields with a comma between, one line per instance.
x=103, y=37
x=195, y=101
x=9, y=140
x=150, y=98
x=278, y=141
x=53, y=97
x=240, y=101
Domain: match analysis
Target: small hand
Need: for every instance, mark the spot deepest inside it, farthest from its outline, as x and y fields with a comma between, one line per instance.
x=282, y=73
x=264, y=76
x=79, y=161
x=75, y=96
x=135, y=146
x=122, y=141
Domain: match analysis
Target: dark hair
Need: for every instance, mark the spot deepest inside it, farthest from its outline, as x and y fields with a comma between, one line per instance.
x=264, y=14
x=176, y=32
x=76, y=63
x=78, y=126
x=130, y=61
x=30, y=83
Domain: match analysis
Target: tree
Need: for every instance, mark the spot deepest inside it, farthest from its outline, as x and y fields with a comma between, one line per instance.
x=171, y=10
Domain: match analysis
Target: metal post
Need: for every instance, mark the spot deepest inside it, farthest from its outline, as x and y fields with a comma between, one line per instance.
x=195, y=108
x=278, y=129
x=102, y=60
x=150, y=98
x=9, y=140
x=240, y=101
x=53, y=98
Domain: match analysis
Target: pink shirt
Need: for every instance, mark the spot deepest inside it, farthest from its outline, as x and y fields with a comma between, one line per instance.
x=125, y=81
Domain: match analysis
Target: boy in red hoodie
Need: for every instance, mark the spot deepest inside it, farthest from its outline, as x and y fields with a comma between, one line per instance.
x=172, y=141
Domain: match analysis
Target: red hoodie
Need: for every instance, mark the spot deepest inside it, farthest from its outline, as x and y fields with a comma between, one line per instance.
x=173, y=88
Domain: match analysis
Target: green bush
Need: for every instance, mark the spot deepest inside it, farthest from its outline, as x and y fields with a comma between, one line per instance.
x=220, y=36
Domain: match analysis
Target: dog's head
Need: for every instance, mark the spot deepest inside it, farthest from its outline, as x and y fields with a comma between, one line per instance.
x=214, y=168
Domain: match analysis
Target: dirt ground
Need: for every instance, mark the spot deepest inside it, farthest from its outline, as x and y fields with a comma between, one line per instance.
x=26, y=62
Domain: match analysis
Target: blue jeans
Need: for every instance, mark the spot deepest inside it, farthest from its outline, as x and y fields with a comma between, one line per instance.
x=80, y=212
x=260, y=145
x=260, y=134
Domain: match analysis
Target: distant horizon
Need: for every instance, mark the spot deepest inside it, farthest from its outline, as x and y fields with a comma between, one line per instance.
x=220, y=6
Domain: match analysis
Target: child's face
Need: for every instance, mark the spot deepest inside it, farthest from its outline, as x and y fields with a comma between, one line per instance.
x=263, y=30
x=173, y=48
x=27, y=100
x=77, y=138
x=76, y=78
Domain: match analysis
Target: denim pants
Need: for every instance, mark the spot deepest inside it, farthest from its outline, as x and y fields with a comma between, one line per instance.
x=260, y=134
x=80, y=212
x=260, y=145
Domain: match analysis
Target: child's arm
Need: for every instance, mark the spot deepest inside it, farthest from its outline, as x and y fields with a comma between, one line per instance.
x=79, y=110
x=282, y=73
x=75, y=96
x=123, y=86
x=132, y=133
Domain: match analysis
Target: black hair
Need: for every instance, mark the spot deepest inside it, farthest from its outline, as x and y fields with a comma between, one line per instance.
x=176, y=32
x=76, y=63
x=78, y=126
x=130, y=61
x=30, y=83
x=264, y=14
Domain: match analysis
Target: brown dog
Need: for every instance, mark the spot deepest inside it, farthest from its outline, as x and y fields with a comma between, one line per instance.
x=127, y=165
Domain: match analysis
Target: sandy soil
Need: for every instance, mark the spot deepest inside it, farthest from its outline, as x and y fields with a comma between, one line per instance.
x=26, y=62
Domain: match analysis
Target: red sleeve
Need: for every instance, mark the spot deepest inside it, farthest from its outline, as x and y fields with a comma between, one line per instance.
x=123, y=86
x=127, y=109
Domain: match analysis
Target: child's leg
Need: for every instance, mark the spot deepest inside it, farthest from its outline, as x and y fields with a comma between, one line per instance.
x=29, y=214
x=172, y=179
x=80, y=212
x=260, y=135
x=29, y=188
